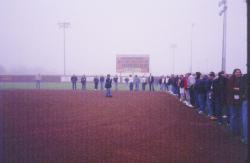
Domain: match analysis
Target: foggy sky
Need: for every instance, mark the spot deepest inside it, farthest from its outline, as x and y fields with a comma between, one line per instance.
x=32, y=42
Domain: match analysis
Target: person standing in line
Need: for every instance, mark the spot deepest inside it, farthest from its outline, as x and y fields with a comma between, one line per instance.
x=171, y=83
x=165, y=81
x=102, y=81
x=201, y=92
x=137, y=82
x=161, y=82
x=83, y=81
x=181, y=88
x=144, y=82
x=210, y=96
x=196, y=99
x=151, y=82
x=176, y=88
x=163, y=85
x=96, y=82
x=235, y=101
x=186, y=92
x=108, y=85
x=73, y=81
x=191, y=82
x=116, y=82
x=244, y=96
x=219, y=89
x=168, y=83
x=38, y=79
x=131, y=83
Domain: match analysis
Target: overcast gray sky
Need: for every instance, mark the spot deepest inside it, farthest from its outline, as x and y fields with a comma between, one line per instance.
x=31, y=41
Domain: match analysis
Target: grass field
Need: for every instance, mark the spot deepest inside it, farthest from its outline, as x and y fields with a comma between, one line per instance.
x=59, y=86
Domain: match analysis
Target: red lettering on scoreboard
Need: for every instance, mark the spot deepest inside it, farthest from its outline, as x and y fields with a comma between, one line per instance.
x=132, y=63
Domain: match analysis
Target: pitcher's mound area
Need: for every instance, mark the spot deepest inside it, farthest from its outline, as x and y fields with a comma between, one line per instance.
x=44, y=126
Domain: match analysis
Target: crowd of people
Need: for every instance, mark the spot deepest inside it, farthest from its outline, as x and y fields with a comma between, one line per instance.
x=98, y=81
x=221, y=97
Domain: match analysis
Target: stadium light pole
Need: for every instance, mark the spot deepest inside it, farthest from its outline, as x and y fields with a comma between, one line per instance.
x=223, y=4
x=173, y=47
x=191, y=48
x=64, y=25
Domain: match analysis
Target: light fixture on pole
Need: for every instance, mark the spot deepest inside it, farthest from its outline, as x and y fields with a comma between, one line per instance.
x=173, y=47
x=64, y=25
x=223, y=4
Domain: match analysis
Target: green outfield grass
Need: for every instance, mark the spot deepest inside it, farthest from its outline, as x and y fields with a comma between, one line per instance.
x=63, y=85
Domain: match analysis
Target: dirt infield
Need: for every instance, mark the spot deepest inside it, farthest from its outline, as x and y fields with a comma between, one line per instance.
x=45, y=126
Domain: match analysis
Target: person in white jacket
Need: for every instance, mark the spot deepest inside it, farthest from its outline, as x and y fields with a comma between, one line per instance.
x=38, y=79
x=131, y=82
x=190, y=86
x=144, y=82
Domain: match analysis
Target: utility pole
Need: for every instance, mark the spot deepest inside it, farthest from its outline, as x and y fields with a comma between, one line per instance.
x=223, y=4
x=248, y=44
x=64, y=25
x=173, y=47
x=191, y=48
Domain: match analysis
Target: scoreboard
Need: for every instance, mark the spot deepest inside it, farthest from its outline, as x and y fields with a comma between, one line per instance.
x=132, y=63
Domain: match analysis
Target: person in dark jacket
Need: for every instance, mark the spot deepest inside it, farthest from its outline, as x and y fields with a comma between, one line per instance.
x=160, y=82
x=126, y=80
x=171, y=84
x=220, y=93
x=96, y=82
x=176, y=88
x=235, y=101
x=151, y=82
x=210, y=96
x=165, y=81
x=201, y=92
x=131, y=82
x=73, y=81
x=245, y=99
x=83, y=81
x=108, y=85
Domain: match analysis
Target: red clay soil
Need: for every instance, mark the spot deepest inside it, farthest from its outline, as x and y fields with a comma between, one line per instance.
x=46, y=126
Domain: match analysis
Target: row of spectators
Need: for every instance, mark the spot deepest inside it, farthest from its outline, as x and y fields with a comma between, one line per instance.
x=136, y=81
x=219, y=96
x=133, y=81
x=96, y=81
